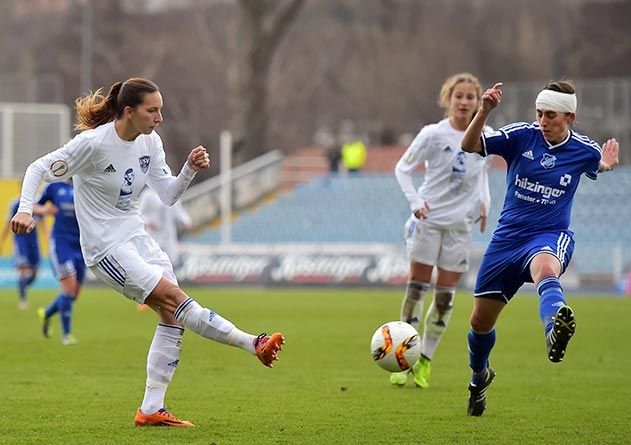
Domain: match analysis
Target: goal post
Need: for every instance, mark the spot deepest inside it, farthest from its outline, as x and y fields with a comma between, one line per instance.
x=28, y=131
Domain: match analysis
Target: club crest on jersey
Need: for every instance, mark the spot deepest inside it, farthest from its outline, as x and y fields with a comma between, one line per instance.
x=144, y=163
x=548, y=160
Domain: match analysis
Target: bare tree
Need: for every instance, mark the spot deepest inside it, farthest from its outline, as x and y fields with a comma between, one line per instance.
x=277, y=71
x=262, y=24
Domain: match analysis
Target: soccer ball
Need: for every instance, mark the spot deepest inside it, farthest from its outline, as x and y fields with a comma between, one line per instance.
x=395, y=346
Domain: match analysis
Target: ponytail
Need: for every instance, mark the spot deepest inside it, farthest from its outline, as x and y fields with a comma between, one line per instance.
x=96, y=109
x=112, y=96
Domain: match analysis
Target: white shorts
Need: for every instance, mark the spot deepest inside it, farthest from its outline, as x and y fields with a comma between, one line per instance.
x=135, y=267
x=433, y=245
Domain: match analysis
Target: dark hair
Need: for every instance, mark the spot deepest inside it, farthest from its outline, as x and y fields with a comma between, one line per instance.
x=95, y=109
x=561, y=86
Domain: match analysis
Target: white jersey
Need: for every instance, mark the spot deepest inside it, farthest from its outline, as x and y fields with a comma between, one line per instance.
x=455, y=181
x=162, y=221
x=108, y=175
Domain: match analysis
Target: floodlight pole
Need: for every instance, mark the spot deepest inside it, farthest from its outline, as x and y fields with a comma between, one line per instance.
x=225, y=170
x=86, y=46
x=7, y=114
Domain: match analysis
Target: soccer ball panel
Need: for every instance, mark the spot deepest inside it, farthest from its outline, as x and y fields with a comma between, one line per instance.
x=395, y=346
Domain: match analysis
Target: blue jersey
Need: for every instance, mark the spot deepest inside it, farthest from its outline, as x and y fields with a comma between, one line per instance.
x=26, y=251
x=65, y=250
x=541, y=178
x=61, y=195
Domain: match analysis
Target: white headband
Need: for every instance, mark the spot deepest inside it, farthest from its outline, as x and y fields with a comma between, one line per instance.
x=556, y=101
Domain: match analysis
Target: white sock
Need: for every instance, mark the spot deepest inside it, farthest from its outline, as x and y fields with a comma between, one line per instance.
x=412, y=305
x=163, y=358
x=211, y=325
x=242, y=340
x=437, y=320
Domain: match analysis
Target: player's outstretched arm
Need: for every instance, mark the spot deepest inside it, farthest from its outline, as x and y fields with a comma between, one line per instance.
x=610, y=159
x=490, y=99
x=170, y=188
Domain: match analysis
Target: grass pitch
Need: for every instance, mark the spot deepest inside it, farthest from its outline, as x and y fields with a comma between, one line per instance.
x=325, y=389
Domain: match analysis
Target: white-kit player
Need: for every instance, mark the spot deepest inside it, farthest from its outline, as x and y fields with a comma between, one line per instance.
x=438, y=233
x=117, y=153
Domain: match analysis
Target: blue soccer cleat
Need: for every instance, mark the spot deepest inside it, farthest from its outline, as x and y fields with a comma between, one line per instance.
x=563, y=328
x=477, y=394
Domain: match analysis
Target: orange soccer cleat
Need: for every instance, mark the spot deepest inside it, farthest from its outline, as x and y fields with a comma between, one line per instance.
x=267, y=347
x=160, y=418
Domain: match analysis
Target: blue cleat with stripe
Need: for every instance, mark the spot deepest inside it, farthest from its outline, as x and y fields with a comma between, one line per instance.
x=563, y=328
x=477, y=394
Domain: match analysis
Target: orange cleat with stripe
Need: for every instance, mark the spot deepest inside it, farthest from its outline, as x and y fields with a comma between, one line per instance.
x=267, y=347
x=160, y=418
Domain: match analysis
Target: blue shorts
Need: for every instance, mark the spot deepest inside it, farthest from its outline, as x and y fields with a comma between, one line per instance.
x=66, y=258
x=26, y=251
x=505, y=265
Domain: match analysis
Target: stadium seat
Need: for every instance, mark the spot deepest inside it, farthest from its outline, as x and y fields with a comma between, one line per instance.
x=370, y=208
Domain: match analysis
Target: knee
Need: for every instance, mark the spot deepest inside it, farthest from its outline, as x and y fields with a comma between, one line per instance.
x=420, y=273
x=167, y=295
x=545, y=268
x=173, y=293
x=480, y=322
x=546, y=271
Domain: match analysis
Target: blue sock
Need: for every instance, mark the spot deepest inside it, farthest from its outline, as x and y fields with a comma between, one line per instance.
x=480, y=346
x=65, y=312
x=22, y=283
x=53, y=307
x=550, y=300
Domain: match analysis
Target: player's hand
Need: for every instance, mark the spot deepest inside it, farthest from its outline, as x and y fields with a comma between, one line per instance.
x=422, y=212
x=610, y=154
x=482, y=218
x=198, y=159
x=492, y=97
x=22, y=223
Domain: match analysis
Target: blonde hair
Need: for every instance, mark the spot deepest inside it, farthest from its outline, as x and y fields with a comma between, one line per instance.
x=448, y=88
